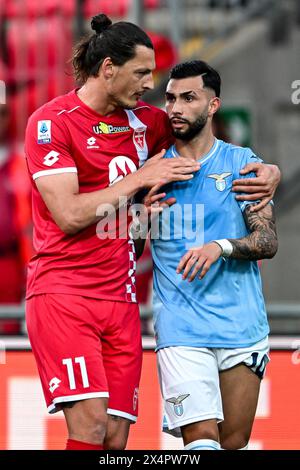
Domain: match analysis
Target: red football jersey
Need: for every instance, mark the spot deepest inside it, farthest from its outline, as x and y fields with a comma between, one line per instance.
x=66, y=136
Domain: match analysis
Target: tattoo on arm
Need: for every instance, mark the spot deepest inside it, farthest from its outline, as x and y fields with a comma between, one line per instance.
x=262, y=241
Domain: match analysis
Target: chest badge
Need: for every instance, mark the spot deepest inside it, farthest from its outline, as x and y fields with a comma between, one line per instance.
x=139, y=137
x=220, y=180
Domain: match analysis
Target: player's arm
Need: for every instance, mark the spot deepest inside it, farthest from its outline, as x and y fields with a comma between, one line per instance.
x=262, y=242
x=73, y=211
x=259, y=244
x=262, y=187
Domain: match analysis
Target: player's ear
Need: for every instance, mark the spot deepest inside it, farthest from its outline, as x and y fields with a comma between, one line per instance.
x=107, y=68
x=214, y=105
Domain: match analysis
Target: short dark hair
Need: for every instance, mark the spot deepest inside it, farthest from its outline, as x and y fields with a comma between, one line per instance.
x=117, y=41
x=193, y=68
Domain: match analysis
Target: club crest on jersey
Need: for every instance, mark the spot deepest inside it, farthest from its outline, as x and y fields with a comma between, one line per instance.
x=220, y=180
x=177, y=402
x=119, y=167
x=44, y=132
x=103, y=128
x=139, y=137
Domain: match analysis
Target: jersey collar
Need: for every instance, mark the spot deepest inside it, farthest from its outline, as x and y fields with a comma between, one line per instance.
x=205, y=157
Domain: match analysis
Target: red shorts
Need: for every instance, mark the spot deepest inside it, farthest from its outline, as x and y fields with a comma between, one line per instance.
x=86, y=348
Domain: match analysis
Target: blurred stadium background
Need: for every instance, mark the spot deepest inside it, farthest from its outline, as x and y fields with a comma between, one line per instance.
x=255, y=44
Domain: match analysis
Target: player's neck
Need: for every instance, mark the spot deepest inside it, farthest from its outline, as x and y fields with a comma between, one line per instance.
x=96, y=98
x=196, y=148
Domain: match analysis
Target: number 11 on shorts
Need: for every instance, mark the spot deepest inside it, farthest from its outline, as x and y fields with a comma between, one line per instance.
x=70, y=369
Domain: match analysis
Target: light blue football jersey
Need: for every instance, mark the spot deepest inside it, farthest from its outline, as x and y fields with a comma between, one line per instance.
x=226, y=308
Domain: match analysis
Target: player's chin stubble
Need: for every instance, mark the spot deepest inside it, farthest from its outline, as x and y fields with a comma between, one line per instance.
x=125, y=105
x=193, y=129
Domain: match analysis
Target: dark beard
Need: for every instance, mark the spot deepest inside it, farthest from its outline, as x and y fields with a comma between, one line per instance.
x=194, y=129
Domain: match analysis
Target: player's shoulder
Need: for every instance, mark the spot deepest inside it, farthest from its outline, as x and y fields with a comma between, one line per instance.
x=44, y=120
x=236, y=152
x=148, y=111
x=53, y=109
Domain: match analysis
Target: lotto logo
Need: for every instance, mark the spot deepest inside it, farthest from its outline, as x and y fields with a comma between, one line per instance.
x=51, y=158
x=54, y=384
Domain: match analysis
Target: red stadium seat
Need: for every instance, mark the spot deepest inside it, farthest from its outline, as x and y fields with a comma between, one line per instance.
x=46, y=45
x=38, y=8
x=152, y=4
x=165, y=52
x=38, y=63
x=67, y=8
x=116, y=8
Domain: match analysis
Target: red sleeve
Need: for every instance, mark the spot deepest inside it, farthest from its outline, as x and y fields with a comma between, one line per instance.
x=48, y=145
x=163, y=133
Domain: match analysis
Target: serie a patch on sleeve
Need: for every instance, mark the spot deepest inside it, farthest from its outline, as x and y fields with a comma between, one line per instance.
x=44, y=132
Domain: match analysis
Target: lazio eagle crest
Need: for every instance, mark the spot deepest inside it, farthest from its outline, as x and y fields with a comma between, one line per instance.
x=177, y=402
x=220, y=180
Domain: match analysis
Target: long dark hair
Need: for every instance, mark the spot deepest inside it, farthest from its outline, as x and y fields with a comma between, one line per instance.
x=117, y=41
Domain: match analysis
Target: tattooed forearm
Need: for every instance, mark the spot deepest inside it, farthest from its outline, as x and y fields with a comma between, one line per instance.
x=262, y=241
